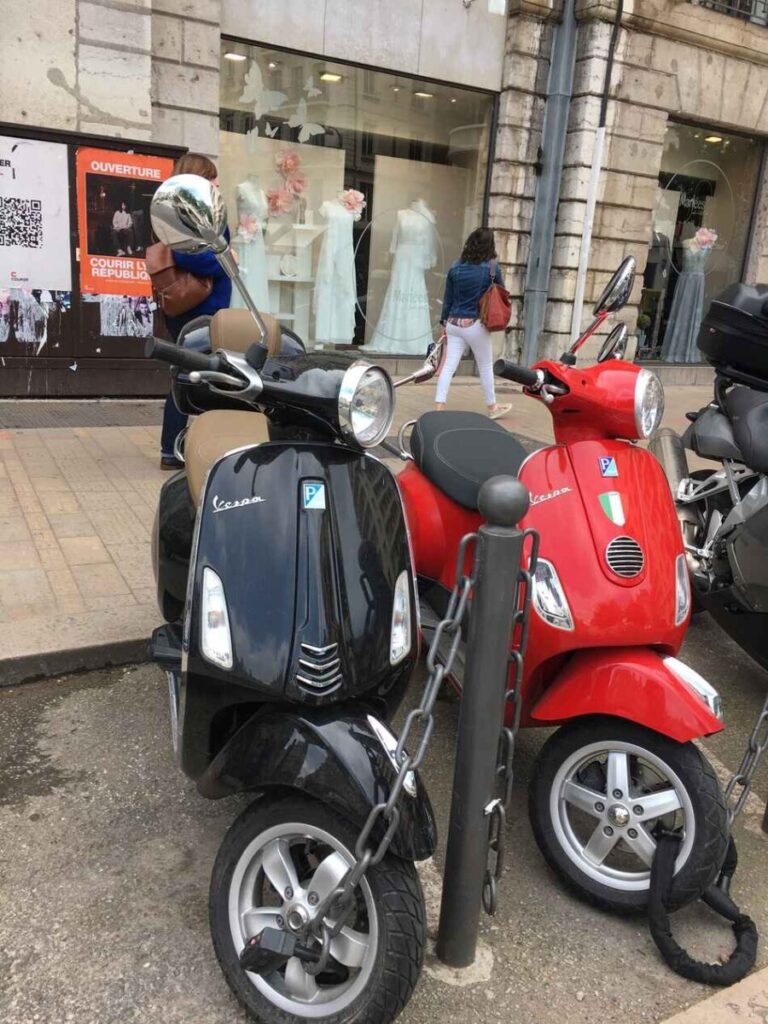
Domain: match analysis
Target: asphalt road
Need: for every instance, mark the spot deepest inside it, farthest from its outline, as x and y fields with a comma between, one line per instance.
x=106, y=851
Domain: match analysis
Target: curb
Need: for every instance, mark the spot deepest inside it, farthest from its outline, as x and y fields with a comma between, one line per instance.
x=29, y=668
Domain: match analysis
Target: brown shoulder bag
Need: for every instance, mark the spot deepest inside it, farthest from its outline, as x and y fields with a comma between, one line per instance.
x=176, y=291
x=495, y=305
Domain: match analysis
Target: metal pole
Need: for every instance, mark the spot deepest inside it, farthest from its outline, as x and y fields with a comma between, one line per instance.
x=503, y=502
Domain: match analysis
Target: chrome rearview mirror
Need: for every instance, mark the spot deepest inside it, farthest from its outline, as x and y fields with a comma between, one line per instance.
x=616, y=293
x=189, y=215
x=428, y=368
x=615, y=345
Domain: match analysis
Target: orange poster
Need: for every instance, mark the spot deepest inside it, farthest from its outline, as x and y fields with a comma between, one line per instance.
x=114, y=192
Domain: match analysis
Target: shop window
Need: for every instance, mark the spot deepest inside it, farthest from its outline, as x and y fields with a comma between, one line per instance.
x=698, y=245
x=350, y=192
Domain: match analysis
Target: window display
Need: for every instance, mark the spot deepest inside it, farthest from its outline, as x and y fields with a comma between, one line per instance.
x=701, y=223
x=350, y=192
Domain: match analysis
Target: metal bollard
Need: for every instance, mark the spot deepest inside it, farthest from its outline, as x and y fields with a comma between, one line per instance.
x=503, y=501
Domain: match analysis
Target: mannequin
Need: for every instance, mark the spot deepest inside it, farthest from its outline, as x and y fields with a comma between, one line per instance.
x=335, y=285
x=688, y=301
x=248, y=242
x=405, y=323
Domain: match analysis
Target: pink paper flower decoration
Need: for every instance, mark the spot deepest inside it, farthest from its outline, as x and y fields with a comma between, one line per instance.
x=353, y=200
x=705, y=238
x=279, y=200
x=287, y=162
x=248, y=225
x=297, y=183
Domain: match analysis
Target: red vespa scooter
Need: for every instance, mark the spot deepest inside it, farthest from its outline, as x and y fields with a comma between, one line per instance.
x=611, y=604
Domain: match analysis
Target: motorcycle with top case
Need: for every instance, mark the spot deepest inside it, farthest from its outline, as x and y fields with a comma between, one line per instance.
x=284, y=569
x=611, y=606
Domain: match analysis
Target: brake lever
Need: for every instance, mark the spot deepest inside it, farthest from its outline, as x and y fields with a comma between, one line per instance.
x=214, y=377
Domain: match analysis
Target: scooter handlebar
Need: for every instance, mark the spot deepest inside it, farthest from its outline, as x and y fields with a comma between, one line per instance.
x=185, y=358
x=520, y=374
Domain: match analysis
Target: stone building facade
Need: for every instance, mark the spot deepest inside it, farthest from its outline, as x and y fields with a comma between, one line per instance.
x=153, y=71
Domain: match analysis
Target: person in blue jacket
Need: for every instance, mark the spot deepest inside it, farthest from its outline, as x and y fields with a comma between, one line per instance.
x=467, y=281
x=202, y=264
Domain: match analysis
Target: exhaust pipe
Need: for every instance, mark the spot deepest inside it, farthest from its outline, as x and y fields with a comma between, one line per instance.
x=669, y=449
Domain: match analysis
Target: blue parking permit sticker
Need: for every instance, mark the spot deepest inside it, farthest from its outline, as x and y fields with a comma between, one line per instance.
x=313, y=496
x=608, y=465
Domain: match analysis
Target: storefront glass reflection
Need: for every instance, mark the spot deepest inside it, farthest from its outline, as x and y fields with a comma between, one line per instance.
x=704, y=206
x=350, y=192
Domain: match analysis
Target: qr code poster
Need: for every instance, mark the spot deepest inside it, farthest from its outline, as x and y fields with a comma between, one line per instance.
x=35, y=241
x=114, y=193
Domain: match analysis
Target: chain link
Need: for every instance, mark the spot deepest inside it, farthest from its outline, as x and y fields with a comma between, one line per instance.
x=756, y=747
x=417, y=729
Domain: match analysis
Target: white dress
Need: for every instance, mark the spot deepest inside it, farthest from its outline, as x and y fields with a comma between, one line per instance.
x=248, y=243
x=335, y=293
x=405, y=322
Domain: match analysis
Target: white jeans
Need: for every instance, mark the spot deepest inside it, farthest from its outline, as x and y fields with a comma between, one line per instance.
x=479, y=341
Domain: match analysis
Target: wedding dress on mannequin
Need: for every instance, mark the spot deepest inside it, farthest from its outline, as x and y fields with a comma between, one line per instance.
x=248, y=243
x=335, y=284
x=687, y=307
x=405, y=322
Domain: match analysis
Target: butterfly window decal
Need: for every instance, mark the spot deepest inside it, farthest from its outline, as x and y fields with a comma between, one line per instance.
x=310, y=89
x=263, y=100
x=299, y=120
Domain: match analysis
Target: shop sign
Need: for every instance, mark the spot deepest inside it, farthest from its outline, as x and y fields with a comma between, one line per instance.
x=114, y=192
x=34, y=216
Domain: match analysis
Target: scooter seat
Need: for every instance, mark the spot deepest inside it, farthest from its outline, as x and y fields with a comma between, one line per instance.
x=212, y=435
x=459, y=451
x=748, y=412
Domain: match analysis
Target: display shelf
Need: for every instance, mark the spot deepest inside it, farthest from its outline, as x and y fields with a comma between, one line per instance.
x=292, y=280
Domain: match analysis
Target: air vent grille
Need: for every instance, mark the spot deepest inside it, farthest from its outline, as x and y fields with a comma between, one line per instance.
x=625, y=557
x=319, y=669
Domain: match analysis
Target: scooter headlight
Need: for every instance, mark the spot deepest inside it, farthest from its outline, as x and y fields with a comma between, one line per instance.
x=682, y=590
x=216, y=641
x=698, y=684
x=649, y=403
x=400, y=636
x=549, y=598
x=366, y=404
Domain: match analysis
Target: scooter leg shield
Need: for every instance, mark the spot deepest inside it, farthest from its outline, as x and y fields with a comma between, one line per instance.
x=343, y=759
x=638, y=684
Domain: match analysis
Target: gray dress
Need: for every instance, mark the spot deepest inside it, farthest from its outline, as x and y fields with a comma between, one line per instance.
x=687, y=309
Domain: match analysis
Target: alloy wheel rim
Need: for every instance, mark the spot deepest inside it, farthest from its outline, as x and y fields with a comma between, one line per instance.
x=279, y=880
x=605, y=801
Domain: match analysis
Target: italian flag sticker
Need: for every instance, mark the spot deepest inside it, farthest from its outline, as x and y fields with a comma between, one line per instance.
x=611, y=505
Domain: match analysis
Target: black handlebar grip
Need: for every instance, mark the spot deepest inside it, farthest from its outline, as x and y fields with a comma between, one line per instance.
x=519, y=374
x=185, y=358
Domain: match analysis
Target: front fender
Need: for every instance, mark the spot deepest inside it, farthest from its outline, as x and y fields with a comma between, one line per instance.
x=343, y=758
x=627, y=682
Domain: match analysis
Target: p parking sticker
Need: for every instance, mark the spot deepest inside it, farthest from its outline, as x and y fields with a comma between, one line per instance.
x=608, y=465
x=313, y=496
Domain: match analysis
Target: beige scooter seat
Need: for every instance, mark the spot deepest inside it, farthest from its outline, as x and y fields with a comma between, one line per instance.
x=212, y=434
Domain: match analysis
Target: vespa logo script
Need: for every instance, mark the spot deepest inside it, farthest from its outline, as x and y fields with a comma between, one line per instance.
x=537, y=499
x=225, y=506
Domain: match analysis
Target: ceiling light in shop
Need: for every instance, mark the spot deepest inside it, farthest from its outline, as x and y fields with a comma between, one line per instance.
x=330, y=76
x=453, y=99
x=234, y=56
x=424, y=95
x=395, y=88
x=713, y=138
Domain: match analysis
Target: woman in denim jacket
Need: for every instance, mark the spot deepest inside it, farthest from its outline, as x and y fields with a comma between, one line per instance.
x=467, y=281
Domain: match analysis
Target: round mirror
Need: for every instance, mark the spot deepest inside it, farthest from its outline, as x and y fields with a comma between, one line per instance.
x=616, y=293
x=615, y=345
x=189, y=215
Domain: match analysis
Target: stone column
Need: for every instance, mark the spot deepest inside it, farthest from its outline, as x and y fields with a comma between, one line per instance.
x=185, y=73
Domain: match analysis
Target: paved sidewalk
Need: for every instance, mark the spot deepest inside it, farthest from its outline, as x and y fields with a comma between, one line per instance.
x=77, y=505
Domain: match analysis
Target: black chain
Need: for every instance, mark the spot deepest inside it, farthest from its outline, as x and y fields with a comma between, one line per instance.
x=756, y=747
x=497, y=809
x=418, y=727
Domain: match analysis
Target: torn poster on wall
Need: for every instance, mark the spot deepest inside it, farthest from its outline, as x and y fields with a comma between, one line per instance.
x=114, y=192
x=25, y=315
x=125, y=316
x=35, y=248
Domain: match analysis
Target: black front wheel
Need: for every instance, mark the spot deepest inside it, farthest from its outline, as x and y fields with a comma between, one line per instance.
x=278, y=862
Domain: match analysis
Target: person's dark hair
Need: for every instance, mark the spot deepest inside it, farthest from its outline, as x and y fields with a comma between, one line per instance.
x=479, y=247
x=196, y=163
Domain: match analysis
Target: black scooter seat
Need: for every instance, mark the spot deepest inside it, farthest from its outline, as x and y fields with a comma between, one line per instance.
x=748, y=412
x=459, y=451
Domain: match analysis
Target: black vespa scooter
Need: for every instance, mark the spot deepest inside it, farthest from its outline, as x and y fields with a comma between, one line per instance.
x=283, y=566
